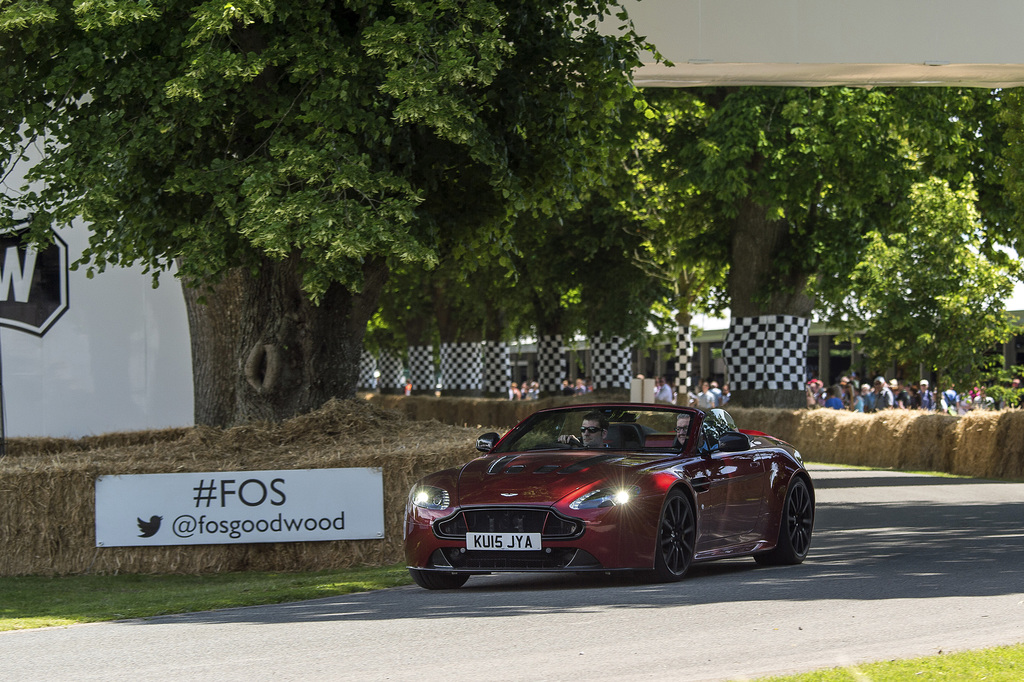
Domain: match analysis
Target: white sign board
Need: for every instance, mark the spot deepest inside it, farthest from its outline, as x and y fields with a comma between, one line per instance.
x=214, y=508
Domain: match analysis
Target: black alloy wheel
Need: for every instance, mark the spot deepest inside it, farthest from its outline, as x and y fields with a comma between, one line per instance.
x=795, y=528
x=677, y=534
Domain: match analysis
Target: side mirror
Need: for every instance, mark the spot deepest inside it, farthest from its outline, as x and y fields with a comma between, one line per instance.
x=733, y=441
x=486, y=442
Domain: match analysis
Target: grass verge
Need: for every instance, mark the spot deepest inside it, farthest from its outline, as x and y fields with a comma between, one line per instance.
x=1001, y=664
x=36, y=602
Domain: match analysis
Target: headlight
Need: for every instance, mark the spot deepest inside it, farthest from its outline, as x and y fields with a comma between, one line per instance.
x=605, y=497
x=430, y=497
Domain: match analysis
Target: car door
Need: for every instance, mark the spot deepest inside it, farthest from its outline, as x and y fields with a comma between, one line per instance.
x=730, y=488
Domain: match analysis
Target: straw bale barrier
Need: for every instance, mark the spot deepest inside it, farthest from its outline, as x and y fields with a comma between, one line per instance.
x=47, y=514
x=483, y=411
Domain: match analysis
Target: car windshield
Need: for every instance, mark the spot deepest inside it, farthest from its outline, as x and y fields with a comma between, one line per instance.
x=641, y=428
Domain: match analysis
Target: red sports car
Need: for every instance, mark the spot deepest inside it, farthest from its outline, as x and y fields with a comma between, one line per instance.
x=611, y=487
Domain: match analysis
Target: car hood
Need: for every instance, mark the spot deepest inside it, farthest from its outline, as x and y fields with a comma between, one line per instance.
x=545, y=477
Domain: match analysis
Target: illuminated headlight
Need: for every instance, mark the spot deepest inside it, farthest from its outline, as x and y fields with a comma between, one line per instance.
x=605, y=497
x=430, y=497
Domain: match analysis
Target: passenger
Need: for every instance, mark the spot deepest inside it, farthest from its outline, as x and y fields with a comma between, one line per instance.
x=682, y=426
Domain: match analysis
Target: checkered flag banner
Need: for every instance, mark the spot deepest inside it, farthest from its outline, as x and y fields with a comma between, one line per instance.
x=390, y=366
x=684, y=357
x=462, y=366
x=551, y=367
x=421, y=368
x=497, y=367
x=367, y=366
x=611, y=364
x=767, y=352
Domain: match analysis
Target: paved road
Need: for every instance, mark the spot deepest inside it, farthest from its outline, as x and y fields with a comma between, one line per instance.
x=901, y=565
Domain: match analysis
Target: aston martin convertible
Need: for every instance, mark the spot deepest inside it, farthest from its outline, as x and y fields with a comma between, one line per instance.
x=648, y=489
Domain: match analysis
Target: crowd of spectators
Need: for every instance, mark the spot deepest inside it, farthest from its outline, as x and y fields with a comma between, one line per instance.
x=847, y=394
x=709, y=396
x=894, y=394
x=530, y=390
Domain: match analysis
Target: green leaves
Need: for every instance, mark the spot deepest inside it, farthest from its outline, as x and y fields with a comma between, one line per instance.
x=19, y=16
x=218, y=133
x=926, y=292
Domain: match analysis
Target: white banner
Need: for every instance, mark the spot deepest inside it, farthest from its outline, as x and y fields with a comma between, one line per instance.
x=213, y=508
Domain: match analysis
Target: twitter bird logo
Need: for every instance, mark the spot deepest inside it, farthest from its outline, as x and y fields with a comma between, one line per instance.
x=149, y=528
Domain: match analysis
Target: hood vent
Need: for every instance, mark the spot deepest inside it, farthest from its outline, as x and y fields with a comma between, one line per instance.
x=499, y=464
x=584, y=464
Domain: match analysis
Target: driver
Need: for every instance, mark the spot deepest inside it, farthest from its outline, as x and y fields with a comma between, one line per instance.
x=592, y=432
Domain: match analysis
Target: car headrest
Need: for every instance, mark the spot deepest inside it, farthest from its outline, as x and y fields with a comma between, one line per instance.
x=624, y=436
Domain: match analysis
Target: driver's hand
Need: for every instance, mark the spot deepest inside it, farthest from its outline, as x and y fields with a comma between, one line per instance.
x=569, y=439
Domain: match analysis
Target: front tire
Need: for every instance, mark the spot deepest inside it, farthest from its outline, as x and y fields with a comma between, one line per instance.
x=432, y=580
x=794, y=529
x=677, y=534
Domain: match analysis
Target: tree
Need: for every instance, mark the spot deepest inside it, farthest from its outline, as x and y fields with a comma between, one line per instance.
x=571, y=273
x=789, y=182
x=284, y=154
x=924, y=294
x=666, y=215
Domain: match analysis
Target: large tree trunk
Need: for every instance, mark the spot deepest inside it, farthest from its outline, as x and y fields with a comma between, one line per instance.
x=757, y=289
x=263, y=351
x=213, y=327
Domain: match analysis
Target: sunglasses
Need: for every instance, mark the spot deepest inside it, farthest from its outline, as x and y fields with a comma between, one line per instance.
x=589, y=429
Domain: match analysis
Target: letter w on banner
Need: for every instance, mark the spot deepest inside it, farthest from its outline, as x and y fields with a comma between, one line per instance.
x=33, y=284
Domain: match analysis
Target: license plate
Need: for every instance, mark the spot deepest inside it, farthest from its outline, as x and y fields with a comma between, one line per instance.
x=517, y=542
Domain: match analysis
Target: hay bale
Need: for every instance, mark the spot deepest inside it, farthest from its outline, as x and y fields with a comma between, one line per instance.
x=977, y=452
x=898, y=439
x=927, y=443
x=47, y=513
x=1009, y=447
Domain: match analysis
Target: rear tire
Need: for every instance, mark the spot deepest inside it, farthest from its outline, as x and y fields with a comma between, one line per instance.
x=677, y=534
x=433, y=580
x=794, y=529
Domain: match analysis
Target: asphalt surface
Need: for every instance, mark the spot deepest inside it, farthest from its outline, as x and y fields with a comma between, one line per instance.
x=901, y=565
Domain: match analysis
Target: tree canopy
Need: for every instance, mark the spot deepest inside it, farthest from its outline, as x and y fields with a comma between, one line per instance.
x=213, y=133
x=819, y=202
x=286, y=156
x=304, y=147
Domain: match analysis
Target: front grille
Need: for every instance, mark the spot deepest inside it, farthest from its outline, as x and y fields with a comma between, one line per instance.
x=553, y=558
x=551, y=525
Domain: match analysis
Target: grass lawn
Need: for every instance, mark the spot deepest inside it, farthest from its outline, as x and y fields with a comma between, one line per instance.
x=35, y=602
